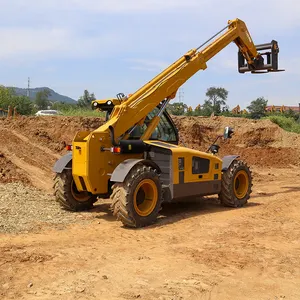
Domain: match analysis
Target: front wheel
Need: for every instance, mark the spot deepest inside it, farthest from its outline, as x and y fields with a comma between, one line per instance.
x=137, y=201
x=236, y=184
x=68, y=196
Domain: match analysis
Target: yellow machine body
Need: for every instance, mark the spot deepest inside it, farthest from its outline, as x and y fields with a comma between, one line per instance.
x=92, y=161
x=186, y=172
x=94, y=173
x=92, y=167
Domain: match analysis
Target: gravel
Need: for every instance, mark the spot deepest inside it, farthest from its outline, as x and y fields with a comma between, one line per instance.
x=24, y=209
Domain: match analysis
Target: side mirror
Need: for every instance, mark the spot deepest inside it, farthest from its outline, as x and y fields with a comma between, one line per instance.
x=228, y=132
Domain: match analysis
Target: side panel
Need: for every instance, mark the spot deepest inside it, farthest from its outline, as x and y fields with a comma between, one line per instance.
x=197, y=166
x=92, y=164
x=186, y=172
x=204, y=188
x=195, y=173
x=163, y=158
x=80, y=158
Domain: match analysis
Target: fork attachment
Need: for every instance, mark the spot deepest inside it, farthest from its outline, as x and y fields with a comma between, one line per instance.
x=266, y=62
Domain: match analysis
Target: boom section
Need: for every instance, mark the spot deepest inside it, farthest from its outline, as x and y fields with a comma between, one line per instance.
x=165, y=85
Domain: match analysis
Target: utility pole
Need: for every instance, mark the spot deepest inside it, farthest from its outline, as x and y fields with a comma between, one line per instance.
x=181, y=95
x=28, y=88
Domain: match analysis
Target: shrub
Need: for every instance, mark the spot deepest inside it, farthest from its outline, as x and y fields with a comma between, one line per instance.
x=286, y=123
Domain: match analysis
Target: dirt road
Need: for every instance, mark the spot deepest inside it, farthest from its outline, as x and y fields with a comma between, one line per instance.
x=198, y=250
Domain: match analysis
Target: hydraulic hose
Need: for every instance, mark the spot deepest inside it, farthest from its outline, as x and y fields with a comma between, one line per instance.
x=112, y=136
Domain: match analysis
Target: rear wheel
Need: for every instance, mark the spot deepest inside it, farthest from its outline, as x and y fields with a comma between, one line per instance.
x=68, y=196
x=236, y=184
x=137, y=201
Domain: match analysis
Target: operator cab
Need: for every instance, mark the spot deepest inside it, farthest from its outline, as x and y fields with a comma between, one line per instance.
x=165, y=131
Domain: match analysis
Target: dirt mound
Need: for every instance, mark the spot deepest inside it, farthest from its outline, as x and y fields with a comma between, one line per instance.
x=248, y=133
x=51, y=132
x=31, y=145
x=260, y=142
x=10, y=172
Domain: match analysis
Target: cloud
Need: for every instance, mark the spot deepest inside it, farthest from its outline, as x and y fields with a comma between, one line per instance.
x=269, y=13
x=50, y=69
x=29, y=44
x=148, y=65
x=263, y=15
x=24, y=41
x=104, y=6
x=109, y=36
x=74, y=28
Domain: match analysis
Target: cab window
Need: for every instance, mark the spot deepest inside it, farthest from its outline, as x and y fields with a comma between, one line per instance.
x=163, y=132
x=200, y=165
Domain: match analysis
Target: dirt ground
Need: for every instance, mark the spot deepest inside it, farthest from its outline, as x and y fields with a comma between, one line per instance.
x=197, y=250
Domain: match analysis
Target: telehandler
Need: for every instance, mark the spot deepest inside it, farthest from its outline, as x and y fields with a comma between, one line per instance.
x=135, y=159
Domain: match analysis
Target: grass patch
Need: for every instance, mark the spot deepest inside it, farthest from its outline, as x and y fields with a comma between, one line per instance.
x=286, y=123
x=81, y=112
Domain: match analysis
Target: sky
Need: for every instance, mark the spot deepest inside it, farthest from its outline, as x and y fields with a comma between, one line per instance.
x=114, y=46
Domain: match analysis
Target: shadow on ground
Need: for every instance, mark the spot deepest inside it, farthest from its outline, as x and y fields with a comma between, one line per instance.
x=175, y=211
x=185, y=208
x=286, y=190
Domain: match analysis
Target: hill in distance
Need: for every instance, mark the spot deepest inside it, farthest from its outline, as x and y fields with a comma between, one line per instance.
x=53, y=97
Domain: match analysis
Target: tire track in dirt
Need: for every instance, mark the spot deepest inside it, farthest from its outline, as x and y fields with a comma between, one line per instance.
x=37, y=176
x=35, y=160
x=42, y=148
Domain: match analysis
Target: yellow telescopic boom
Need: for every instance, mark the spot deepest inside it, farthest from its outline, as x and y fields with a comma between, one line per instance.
x=165, y=85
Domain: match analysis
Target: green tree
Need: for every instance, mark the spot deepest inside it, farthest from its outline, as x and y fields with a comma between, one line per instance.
x=41, y=99
x=189, y=111
x=257, y=108
x=5, y=96
x=217, y=97
x=61, y=106
x=291, y=114
x=23, y=105
x=9, y=98
x=86, y=100
x=197, y=110
x=207, y=108
x=225, y=109
x=177, y=108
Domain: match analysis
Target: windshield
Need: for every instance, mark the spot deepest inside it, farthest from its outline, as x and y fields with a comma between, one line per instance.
x=164, y=131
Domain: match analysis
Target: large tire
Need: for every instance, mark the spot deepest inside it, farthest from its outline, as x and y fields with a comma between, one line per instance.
x=137, y=201
x=67, y=195
x=236, y=185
